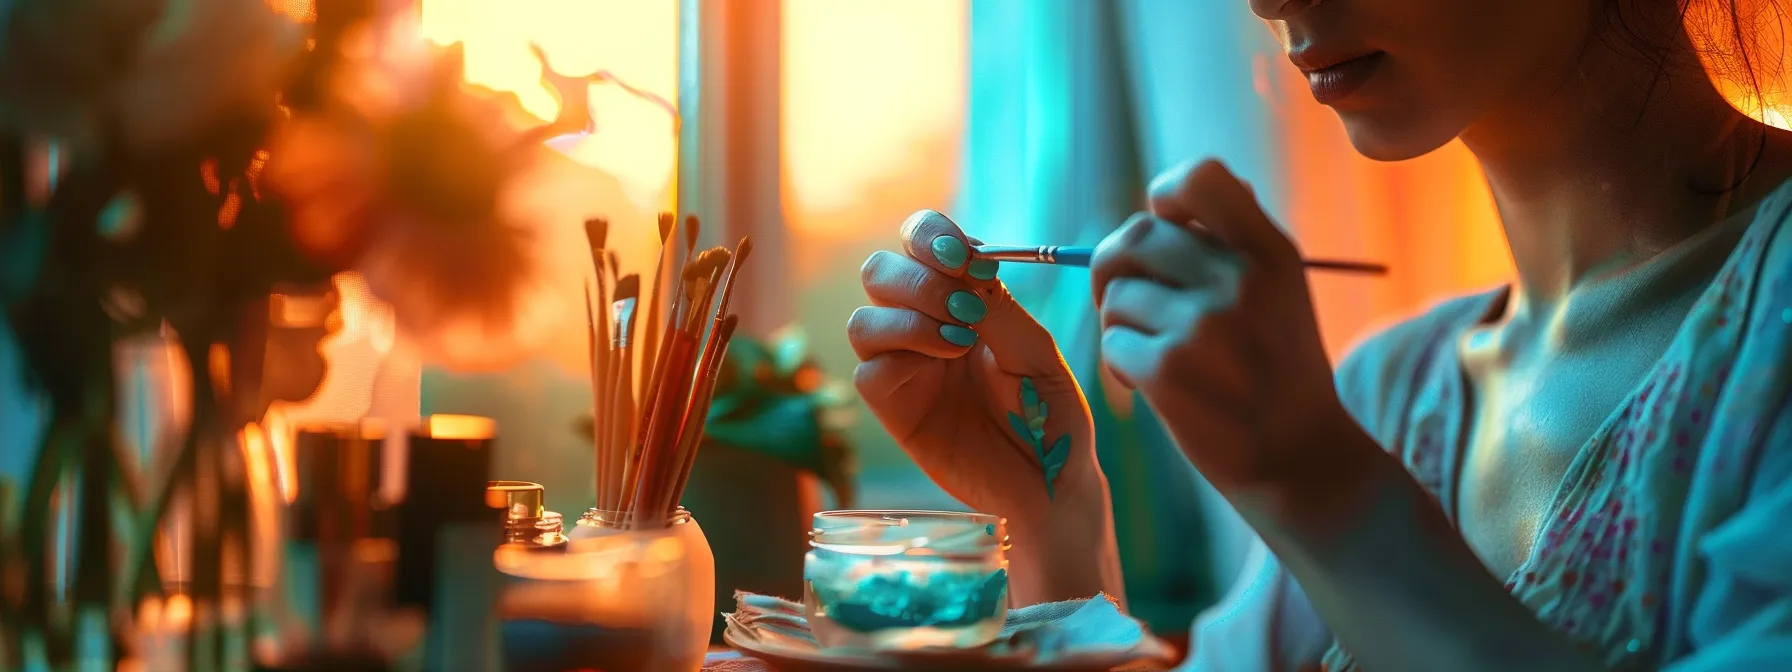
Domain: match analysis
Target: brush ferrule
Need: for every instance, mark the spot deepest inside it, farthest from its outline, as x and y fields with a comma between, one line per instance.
x=623, y=314
x=1043, y=254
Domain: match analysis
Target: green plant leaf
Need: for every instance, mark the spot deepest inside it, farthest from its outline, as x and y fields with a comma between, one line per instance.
x=1029, y=400
x=1054, y=459
x=1060, y=449
x=1032, y=429
x=1020, y=428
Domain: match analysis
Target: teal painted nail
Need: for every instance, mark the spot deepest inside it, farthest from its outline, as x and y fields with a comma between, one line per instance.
x=966, y=307
x=983, y=269
x=958, y=335
x=950, y=251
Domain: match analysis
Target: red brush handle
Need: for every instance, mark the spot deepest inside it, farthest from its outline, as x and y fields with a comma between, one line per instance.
x=657, y=449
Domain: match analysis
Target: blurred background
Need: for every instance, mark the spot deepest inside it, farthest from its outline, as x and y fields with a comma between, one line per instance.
x=1028, y=121
x=817, y=126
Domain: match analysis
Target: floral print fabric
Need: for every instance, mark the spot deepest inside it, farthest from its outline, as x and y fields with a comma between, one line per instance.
x=1669, y=544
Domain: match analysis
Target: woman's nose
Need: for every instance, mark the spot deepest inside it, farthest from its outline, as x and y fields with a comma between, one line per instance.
x=1280, y=10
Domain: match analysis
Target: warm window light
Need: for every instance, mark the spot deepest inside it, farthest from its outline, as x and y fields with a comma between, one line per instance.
x=633, y=140
x=867, y=83
x=1770, y=110
x=459, y=427
x=636, y=41
x=299, y=10
x=178, y=611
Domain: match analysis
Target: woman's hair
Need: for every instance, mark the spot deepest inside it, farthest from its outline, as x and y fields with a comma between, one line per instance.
x=1742, y=44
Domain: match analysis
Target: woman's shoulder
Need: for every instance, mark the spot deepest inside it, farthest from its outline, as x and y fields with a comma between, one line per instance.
x=1766, y=253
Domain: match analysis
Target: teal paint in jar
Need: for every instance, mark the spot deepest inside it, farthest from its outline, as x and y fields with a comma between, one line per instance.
x=906, y=580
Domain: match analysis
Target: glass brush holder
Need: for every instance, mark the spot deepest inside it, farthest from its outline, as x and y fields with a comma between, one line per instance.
x=905, y=580
x=616, y=599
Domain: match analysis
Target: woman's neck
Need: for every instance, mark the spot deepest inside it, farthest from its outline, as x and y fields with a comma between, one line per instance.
x=1622, y=158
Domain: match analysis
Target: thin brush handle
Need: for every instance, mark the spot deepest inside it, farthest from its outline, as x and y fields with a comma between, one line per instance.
x=598, y=346
x=650, y=358
x=1079, y=257
x=698, y=416
x=657, y=378
x=622, y=439
x=657, y=442
x=603, y=411
x=612, y=449
x=705, y=344
x=689, y=435
x=1044, y=254
x=691, y=395
x=710, y=356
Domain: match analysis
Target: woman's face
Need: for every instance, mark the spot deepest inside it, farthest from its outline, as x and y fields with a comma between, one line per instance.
x=1408, y=76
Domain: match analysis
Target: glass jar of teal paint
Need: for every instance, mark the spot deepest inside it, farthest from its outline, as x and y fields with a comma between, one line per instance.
x=905, y=580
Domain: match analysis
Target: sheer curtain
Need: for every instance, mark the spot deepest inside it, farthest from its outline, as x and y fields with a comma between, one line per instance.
x=1074, y=105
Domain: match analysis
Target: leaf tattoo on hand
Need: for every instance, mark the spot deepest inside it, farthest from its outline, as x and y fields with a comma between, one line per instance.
x=1031, y=429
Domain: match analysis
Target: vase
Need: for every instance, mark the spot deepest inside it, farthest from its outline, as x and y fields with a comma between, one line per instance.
x=618, y=598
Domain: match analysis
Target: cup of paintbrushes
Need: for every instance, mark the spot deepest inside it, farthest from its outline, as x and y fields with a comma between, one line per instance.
x=657, y=346
x=625, y=600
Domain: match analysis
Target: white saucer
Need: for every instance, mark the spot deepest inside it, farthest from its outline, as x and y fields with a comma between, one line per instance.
x=790, y=659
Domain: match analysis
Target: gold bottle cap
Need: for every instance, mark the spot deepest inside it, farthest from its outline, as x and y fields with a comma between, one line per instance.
x=520, y=500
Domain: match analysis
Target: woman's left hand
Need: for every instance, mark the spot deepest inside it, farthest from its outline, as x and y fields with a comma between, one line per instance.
x=1205, y=310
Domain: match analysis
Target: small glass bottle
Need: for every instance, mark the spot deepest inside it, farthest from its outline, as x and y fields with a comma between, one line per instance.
x=526, y=523
x=550, y=531
x=904, y=580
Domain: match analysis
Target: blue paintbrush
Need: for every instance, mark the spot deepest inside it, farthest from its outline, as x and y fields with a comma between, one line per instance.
x=1079, y=257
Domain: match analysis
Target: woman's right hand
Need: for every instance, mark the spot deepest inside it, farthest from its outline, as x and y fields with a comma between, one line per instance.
x=947, y=362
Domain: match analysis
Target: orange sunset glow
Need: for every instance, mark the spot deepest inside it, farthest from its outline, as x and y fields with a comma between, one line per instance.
x=871, y=130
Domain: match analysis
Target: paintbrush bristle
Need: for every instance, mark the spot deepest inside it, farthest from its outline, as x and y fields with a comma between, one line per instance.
x=629, y=287
x=691, y=226
x=728, y=324
x=667, y=219
x=690, y=272
x=743, y=249
x=597, y=231
x=715, y=258
x=615, y=263
x=705, y=264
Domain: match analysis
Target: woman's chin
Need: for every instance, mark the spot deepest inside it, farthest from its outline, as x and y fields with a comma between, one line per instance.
x=1381, y=138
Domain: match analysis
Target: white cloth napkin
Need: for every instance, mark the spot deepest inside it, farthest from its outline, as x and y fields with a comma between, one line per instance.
x=1092, y=628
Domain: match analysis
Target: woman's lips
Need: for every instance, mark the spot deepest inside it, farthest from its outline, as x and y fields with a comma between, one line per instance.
x=1334, y=83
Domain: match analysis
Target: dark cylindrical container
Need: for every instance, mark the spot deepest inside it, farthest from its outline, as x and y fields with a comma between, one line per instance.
x=447, y=532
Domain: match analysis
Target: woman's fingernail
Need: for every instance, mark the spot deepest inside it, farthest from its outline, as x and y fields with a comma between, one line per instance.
x=950, y=251
x=957, y=335
x=966, y=307
x=983, y=269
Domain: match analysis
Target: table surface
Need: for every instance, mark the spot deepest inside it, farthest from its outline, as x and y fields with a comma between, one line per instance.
x=730, y=660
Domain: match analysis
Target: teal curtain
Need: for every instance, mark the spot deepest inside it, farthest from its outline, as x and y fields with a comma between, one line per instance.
x=1074, y=105
x=23, y=415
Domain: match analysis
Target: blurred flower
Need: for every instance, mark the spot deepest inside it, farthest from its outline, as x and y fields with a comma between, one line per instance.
x=157, y=72
x=409, y=179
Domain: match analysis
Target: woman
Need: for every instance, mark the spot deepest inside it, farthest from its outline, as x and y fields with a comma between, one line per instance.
x=1587, y=470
